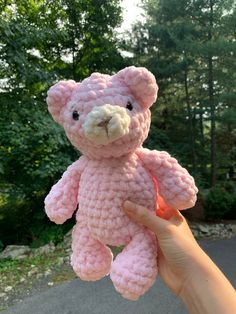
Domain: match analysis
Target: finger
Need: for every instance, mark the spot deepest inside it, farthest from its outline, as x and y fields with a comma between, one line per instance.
x=176, y=217
x=145, y=217
x=179, y=220
x=165, y=213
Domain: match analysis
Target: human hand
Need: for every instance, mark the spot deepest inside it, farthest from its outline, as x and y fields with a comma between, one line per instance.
x=177, y=246
x=184, y=267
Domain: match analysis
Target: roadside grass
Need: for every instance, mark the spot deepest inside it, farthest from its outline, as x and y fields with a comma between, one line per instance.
x=19, y=276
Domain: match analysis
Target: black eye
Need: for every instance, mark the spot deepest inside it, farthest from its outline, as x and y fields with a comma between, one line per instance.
x=75, y=115
x=129, y=106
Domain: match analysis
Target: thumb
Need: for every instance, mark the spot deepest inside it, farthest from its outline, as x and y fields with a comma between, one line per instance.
x=145, y=217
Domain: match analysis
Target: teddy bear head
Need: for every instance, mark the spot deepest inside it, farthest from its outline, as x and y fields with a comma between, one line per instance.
x=105, y=116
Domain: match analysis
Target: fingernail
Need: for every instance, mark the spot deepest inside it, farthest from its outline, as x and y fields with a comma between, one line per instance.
x=129, y=206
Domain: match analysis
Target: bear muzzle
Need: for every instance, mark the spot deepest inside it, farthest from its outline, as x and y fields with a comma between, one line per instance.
x=106, y=123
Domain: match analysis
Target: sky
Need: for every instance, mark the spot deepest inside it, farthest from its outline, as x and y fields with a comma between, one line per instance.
x=131, y=13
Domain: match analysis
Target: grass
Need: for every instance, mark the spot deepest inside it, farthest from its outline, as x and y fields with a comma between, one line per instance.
x=18, y=276
x=42, y=261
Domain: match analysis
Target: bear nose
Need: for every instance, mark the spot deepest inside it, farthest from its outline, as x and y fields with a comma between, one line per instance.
x=104, y=122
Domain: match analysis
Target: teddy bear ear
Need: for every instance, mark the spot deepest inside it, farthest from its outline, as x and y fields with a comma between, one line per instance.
x=141, y=83
x=58, y=96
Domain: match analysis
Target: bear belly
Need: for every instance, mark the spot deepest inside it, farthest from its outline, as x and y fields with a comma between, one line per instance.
x=104, y=186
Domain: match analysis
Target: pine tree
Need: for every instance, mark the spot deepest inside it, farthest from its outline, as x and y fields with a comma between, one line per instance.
x=190, y=46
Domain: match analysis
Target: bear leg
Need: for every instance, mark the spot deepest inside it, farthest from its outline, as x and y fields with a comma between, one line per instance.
x=91, y=260
x=134, y=270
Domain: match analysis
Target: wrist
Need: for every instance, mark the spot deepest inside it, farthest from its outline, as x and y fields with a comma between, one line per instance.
x=207, y=290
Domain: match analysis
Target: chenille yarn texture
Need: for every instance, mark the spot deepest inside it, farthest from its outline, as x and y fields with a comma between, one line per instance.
x=107, y=118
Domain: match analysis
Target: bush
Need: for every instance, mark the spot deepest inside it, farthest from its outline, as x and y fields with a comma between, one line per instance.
x=221, y=202
x=23, y=221
x=49, y=233
x=34, y=153
x=15, y=217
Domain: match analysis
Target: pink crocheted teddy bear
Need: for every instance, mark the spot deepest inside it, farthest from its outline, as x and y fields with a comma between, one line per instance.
x=108, y=118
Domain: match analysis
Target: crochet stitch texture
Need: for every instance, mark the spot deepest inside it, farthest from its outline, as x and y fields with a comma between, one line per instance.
x=108, y=118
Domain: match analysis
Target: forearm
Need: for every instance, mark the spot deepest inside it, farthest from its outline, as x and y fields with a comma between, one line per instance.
x=184, y=266
x=207, y=290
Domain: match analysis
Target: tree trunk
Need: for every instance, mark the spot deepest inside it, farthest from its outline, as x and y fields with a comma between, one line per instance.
x=73, y=57
x=202, y=141
x=190, y=122
x=211, y=102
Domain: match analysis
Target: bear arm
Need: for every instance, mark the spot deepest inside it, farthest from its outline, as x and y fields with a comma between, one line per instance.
x=175, y=185
x=61, y=201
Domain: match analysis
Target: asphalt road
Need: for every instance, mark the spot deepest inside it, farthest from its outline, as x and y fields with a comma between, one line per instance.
x=100, y=297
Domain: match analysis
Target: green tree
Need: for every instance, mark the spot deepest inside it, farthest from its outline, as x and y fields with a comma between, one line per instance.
x=42, y=42
x=190, y=46
x=90, y=41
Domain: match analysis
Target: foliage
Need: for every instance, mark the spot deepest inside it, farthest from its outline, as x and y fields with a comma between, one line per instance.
x=190, y=47
x=34, y=152
x=44, y=233
x=42, y=42
x=221, y=202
